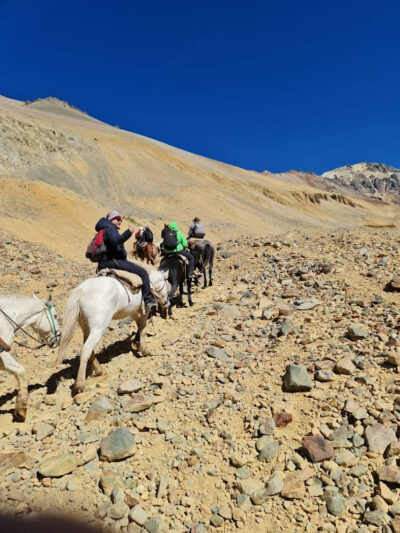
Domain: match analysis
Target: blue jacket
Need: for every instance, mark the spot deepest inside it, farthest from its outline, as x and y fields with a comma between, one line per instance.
x=113, y=240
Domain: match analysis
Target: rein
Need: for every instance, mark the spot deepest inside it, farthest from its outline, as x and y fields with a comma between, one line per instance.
x=18, y=327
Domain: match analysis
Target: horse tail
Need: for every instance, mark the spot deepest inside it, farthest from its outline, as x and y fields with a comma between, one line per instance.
x=211, y=256
x=208, y=255
x=71, y=314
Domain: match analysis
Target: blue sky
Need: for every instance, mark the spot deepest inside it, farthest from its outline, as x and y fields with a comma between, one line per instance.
x=271, y=85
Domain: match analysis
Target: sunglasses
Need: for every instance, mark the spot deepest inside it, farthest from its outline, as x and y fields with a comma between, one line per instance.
x=118, y=219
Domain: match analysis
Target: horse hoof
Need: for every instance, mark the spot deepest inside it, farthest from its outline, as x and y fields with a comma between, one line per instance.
x=79, y=388
x=20, y=413
x=144, y=352
x=96, y=372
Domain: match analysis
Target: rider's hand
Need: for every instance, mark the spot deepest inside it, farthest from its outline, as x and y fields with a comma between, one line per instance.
x=132, y=229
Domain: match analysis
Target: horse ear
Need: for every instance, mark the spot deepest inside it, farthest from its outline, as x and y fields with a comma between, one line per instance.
x=165, y=274
x=49, y=298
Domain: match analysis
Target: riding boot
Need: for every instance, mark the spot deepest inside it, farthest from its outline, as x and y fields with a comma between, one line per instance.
x=190, y=258
x=149, y=301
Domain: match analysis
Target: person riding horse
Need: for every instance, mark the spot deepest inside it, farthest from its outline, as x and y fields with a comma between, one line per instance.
x=144, y=236
x=115, y=255
x=196, y=229
x=180, y=248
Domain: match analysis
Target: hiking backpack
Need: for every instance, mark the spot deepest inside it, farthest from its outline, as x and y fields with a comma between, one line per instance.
x=170, y=240
x=148, y=235
x=96, y=247
x=199, y=230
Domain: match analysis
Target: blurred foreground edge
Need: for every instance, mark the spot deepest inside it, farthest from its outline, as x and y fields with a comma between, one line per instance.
x=45, y=524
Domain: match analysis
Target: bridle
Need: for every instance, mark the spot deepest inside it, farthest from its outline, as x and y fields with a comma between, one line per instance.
x=158, y=296
x=55, y=333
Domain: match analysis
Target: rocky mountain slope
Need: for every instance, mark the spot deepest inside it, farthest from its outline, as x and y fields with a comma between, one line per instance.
x=375, y=180
x=54, y=149
x=271, y=405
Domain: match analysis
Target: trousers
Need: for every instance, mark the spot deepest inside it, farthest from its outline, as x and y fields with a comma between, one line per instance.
x=190, y=257
x=122, y=264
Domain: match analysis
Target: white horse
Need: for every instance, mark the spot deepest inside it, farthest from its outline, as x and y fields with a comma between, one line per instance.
x=17, y=313
x=93, y=304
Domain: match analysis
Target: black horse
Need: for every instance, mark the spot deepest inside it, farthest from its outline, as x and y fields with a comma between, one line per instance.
x=203, y=252
x=177, y=275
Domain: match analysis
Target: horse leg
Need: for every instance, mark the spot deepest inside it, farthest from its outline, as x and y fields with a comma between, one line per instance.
x=204, y=277
x=189, y=288
x=180, y=302
x=210, y=276
x=87, y=350
x=95, y=368
x=9, y=364
x=139, y=338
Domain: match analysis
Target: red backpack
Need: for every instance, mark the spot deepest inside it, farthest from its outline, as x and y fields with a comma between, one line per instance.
x=96, y=247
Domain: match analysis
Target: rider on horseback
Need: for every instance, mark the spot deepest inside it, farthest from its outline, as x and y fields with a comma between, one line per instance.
x=196, y=229
x=144, y=236
x=180, y=249
x=115, y=255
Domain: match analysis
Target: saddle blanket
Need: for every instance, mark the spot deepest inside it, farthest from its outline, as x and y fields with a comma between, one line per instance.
x=184, y=260
x=133, y=281
x=194, y=240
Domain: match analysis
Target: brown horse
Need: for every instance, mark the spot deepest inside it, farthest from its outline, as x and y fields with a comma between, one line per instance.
x=147, y=253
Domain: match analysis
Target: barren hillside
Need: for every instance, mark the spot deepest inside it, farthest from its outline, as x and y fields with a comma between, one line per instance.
x=71, y=154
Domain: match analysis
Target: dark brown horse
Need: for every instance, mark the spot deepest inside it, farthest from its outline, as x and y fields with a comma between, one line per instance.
x=147, y=253
x=177, y=276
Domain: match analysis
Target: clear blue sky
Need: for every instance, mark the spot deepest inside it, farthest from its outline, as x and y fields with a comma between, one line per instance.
x=274, y=85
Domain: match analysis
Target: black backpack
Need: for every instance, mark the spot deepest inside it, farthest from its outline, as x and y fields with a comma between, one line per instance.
x=170, y=240
x=148, y=235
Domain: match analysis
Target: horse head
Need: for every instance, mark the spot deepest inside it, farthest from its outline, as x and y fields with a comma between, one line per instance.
x=47, y=326
x=159, y=283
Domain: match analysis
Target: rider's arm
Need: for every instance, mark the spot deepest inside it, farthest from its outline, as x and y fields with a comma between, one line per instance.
x=182, y=240
x=114, y=238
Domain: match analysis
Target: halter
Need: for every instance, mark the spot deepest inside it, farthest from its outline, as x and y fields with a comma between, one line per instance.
x=157, y=294
x=52, y=321
x=54, y=332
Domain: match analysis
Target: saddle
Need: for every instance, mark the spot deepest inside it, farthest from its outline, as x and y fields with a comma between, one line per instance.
x=133, y=282
x=194, y=240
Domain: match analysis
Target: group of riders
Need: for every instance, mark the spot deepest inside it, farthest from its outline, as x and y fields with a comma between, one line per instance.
x=173, y=242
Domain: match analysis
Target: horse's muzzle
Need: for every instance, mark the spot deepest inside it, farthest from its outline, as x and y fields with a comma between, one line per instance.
x=55, y=341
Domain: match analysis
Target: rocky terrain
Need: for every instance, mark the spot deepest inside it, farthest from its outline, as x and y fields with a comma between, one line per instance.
x=270, y=405
x=376, y=180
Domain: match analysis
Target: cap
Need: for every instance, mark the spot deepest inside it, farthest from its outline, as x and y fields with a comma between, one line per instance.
x=113, y=214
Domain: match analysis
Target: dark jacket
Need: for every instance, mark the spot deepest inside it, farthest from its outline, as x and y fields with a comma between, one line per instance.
x=113, y=240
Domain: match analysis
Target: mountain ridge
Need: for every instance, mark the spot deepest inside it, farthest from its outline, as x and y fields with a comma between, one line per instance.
x=152, y=182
